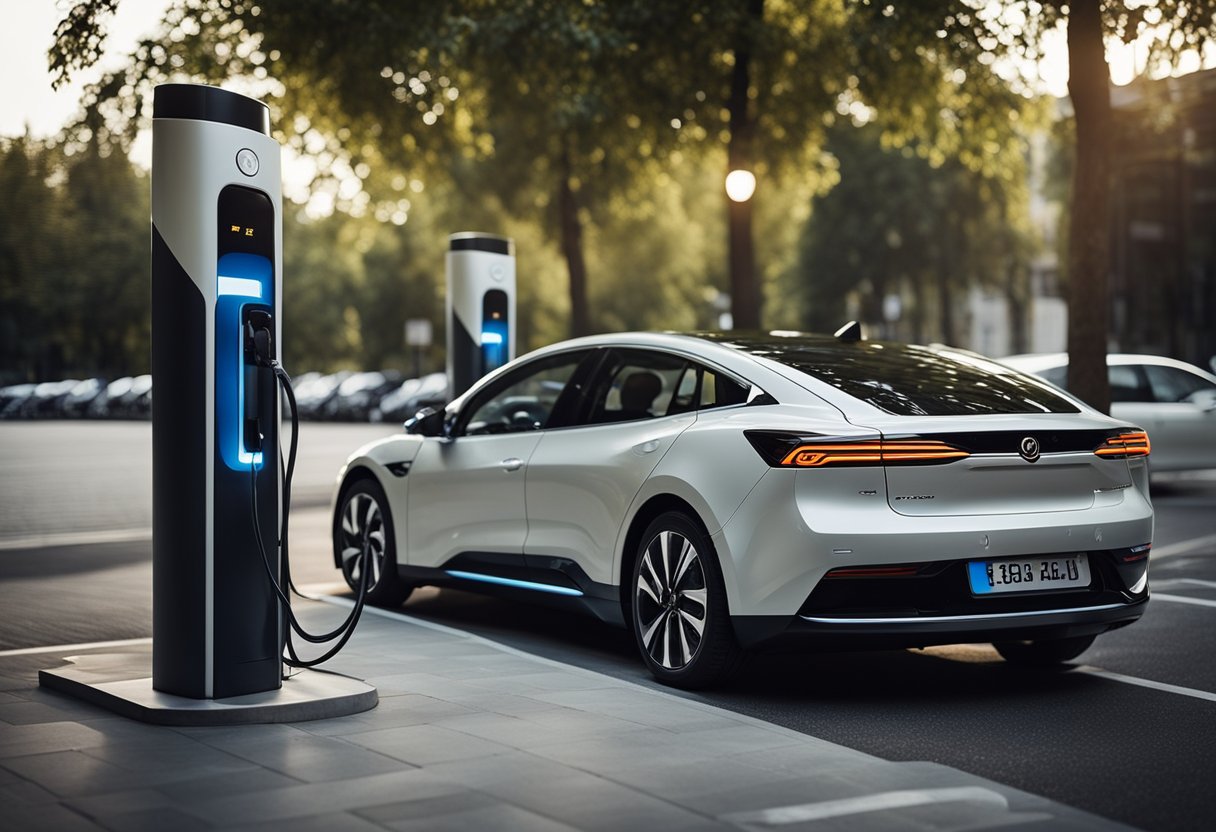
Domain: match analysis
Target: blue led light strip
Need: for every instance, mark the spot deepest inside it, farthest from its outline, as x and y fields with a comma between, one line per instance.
x=241, y=280
x=494, y=579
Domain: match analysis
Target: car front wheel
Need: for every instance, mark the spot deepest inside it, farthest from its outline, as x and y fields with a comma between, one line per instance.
x=363, y=520
x=680, y=616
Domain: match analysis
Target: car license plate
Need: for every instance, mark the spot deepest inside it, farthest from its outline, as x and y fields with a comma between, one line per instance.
x=1028, y=574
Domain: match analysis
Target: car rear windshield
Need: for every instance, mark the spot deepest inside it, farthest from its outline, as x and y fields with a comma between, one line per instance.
x=906, y=380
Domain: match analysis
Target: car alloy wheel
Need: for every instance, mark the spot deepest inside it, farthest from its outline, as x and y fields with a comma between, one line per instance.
x=362, y=526
x=670, y=597
x=364, y=520
x=679, y=613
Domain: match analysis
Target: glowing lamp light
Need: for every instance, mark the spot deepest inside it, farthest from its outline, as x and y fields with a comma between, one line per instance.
x=740, y=185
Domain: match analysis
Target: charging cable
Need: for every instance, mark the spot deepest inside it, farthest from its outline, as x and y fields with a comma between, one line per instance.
x=260, y=340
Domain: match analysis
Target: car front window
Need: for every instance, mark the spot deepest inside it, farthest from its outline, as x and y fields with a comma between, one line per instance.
x=525, y=400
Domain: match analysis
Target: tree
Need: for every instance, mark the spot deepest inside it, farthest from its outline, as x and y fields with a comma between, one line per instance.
x=73, y=252
x=896, y=224
x=1015, y=30
x=420, y=88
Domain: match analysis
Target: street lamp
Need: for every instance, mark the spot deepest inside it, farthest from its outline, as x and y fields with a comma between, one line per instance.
x=740, y=185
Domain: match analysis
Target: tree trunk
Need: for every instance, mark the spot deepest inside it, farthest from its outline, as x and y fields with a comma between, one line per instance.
x=1018, y=301
x=745, y=298
x=945, y=308
x=1089, y=231
x=572, y=249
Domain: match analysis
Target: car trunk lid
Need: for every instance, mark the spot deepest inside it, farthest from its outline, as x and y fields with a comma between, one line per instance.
x=1014, y=465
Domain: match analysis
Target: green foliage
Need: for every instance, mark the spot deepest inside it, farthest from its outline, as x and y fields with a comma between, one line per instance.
x=896, y=224
x=73, y=262
x=598, y=131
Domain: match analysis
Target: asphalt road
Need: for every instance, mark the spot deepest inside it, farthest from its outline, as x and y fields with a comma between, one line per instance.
x=1133, y=740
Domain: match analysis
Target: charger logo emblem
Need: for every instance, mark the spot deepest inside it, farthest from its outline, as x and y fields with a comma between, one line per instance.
x=1029, y=449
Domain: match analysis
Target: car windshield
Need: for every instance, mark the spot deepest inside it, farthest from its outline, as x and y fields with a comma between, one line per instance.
x=903, y=379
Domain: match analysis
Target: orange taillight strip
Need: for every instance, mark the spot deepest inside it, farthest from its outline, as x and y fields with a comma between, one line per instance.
x=892, y=451
x=1132, y=443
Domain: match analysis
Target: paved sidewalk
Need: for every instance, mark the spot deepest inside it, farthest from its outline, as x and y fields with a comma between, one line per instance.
x=470, y=735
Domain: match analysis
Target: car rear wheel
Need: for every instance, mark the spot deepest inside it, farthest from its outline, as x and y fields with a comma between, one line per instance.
x=679, y=612
x=363, y=520
x=1043, y=653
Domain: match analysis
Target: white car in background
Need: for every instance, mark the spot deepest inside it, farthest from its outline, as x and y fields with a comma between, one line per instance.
x=1173, y=401
x=716, y=492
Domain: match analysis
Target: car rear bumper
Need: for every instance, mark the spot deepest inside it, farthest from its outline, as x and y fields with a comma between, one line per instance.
x=888, y=632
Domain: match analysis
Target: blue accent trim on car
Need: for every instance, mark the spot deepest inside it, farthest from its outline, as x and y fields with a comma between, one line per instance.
x=512, y=582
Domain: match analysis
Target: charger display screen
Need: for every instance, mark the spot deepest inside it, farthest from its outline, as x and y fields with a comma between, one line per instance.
x=244, y=281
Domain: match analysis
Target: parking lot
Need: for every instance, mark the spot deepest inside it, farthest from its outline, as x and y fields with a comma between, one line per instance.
x=1126, y=733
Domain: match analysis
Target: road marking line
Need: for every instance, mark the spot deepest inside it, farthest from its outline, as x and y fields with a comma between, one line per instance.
x=878, y=802
x=1184, y=546
x=44, y=541
x=1197, y=582
x=1183, y=599
x=1147, y=683
x=64, y=648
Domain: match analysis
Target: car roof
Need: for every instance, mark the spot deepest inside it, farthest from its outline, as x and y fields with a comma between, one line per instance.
x=770, y=360
x=1046, y=361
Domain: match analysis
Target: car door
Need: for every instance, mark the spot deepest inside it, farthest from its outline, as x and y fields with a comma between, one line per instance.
x=582, y=478
x=466, y=495
x=1182, y=418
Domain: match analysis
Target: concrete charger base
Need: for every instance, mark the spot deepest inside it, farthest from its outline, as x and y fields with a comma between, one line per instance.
x=122, y=682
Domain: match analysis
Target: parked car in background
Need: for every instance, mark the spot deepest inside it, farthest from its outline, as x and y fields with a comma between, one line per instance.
x=45, y=400
x=13, y=397
x=76, y=403
x=135, y=402
x=103, y=403
x=413, y=395
x=1173, y=401
x=312, y=394
x=358, y=394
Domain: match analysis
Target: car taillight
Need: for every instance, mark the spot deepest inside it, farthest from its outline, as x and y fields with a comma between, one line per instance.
x=1123, y=445
x=785, y=450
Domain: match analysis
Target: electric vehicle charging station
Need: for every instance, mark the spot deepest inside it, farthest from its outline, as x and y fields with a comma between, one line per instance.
x=218, y=575
x=216, y=266
x=480, y=306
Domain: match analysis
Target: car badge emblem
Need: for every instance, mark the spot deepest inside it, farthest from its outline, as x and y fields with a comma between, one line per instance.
x=1029, y=449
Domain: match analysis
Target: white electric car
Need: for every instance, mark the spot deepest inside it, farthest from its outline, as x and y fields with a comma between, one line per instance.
x=716, y=492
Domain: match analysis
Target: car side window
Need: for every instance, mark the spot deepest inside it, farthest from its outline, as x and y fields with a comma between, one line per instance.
x=640, y=384
x=718, y=390
x=1171, y=384
x=525, y=400
x=1128, y=384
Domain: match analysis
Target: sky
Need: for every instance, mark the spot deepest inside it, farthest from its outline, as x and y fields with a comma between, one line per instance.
x=29, y=25
x=25, y=37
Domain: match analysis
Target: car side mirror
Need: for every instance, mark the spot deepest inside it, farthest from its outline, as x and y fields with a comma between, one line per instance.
x=426, y=422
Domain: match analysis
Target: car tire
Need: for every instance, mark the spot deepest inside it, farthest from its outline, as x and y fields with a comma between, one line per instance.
x=1043, y=653
x=364, y=517
x=678, y=608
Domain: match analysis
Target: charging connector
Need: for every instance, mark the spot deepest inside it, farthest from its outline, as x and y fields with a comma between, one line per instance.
x=259, y=349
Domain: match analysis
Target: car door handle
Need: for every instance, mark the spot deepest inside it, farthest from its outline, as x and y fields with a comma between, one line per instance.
x=512, y=463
